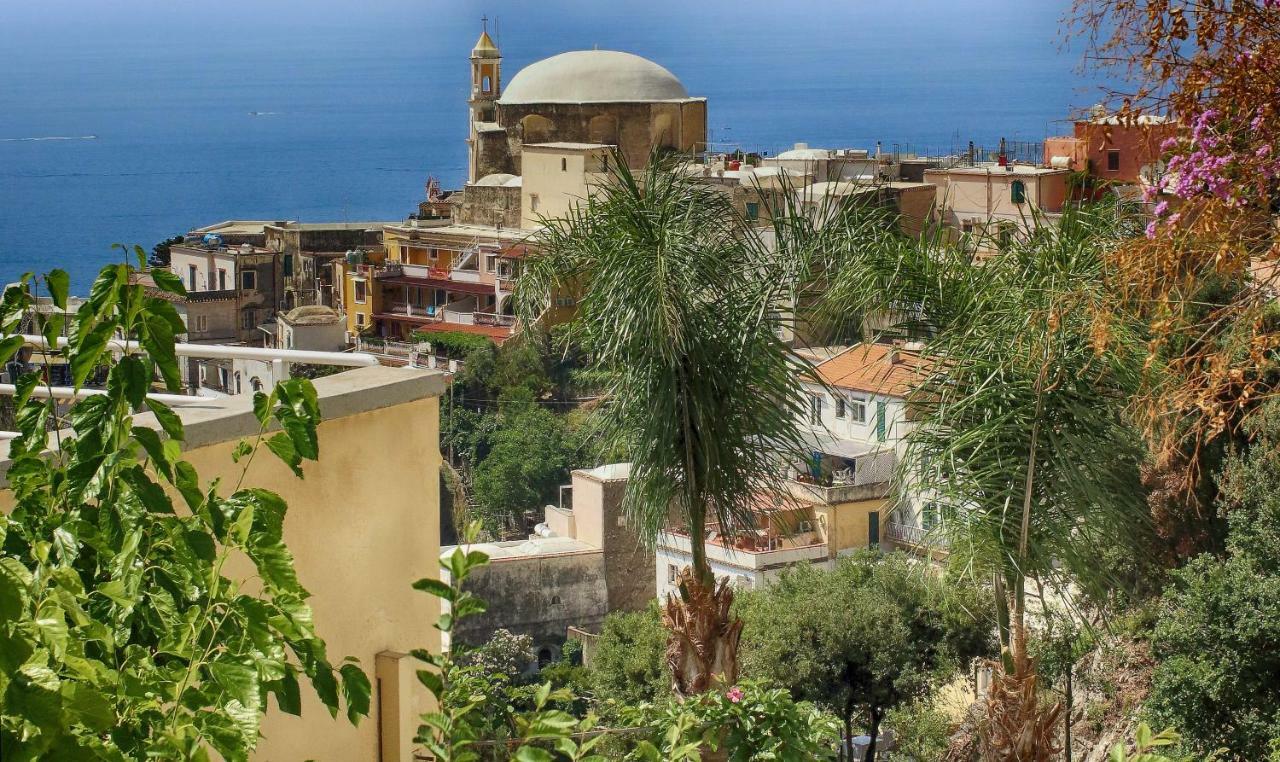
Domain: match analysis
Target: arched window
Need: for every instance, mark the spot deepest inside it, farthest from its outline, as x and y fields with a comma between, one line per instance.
x=544, y=657
x=555, y=600
x=1018, y=192
x=484, y=84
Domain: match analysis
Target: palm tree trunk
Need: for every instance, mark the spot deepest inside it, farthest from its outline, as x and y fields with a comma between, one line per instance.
x=702, y=644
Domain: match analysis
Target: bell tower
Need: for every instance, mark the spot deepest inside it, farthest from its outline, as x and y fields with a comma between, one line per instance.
x=486, y=87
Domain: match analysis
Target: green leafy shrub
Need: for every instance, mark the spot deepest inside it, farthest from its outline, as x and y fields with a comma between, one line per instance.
x=751, y=721
x=455, y=344
x=629, y=664
x=1219, y=622
x=120, y=636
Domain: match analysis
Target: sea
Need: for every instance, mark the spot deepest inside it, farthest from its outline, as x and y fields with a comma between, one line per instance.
x=133, y=120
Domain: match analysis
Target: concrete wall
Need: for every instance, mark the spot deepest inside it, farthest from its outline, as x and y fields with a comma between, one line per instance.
x=628, y=564
x=359, y=541
x=497, y=206
x=977, y=195
x=556, y=179
x=538, y=596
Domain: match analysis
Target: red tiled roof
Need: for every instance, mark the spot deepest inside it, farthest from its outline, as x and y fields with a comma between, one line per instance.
x=866, y=368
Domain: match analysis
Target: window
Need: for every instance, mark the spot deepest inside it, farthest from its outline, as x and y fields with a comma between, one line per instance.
x=753, y=210
x=488, y=262
x=840, y=407
x=222, y=279
x=882, y=429
x=248, y=280
x=199, y=323
x=1113, y=161
x=484, y=83
x=191, y=276
x=248, y=320
x=966, y=227
x=815, y=409
x=359, y=287
x=359, y=320
x=857, y=410
x=288, y=265
x=672, y=572
x=555, y=600
x=533, y=202
x=1018, y=192
x=929, y=516
x=223, y=380
x=564, y=165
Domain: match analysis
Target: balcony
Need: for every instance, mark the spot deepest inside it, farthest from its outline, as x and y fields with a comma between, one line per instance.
x=802, y=547
x=493, y=318
x=914, y=538
x=803, y=488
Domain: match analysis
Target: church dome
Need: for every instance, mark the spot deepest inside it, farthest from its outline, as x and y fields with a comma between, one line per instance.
x=593, y=76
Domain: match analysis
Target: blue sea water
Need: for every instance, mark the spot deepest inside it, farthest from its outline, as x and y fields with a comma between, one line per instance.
x=178, y=113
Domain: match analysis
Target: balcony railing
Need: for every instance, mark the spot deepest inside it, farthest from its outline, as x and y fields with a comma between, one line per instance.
x=788, y=550
x=493, y=318
x=913, y=535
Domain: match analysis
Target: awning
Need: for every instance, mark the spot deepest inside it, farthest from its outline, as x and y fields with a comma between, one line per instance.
x=841, y=448
x=462, y=287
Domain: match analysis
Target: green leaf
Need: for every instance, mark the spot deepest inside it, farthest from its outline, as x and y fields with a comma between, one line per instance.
x=243, y=448
x=116, y=591
x=435, y=587
x=168, y=420
x=288, y=696
x=59, y=283
x=201, y=544
x=188, y=483
x=166, y=280
x=432, y=681
x=150, y=441
x=356, y=690
x=262, y=407
x=87, y=351
x=533, y=754
x=282, y=446
x=9, y=346
x=134, y=378
x=89, y=706
x=152, y=495
x=157, y=339
x=239, y=679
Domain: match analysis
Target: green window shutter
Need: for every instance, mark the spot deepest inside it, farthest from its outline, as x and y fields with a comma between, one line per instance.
x=753, y=210
x=288, y=265
x=881, y=429
x=1018, y=192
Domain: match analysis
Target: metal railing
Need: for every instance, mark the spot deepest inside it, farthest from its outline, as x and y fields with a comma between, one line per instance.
x=280, y=359
x=914, y=535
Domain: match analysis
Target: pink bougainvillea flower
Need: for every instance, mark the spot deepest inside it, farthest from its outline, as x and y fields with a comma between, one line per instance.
x=734, y=694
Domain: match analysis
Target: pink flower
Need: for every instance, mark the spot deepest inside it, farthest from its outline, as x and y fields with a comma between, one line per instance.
x=1161, y=208
x=1263, y=151
x=1168, y=144
x=734, y=694
x=1173, y=218
x=1151, y=229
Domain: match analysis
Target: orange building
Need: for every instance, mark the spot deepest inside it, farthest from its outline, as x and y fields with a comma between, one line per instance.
x=1109, y=148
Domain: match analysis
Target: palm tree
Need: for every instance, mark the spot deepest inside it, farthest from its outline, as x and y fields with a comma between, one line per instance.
x=680, y=309
x=1021, y=426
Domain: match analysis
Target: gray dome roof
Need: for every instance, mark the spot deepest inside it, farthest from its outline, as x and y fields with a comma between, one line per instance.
x=593, y=76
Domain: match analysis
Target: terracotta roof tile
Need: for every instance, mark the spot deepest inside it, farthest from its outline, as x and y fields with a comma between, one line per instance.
x=867, y=368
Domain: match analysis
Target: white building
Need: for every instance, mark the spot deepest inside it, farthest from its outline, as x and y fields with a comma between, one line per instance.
x=835, y=503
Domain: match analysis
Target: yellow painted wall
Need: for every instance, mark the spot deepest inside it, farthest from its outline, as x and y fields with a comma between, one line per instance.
x=359, y=540
x=845, y=525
